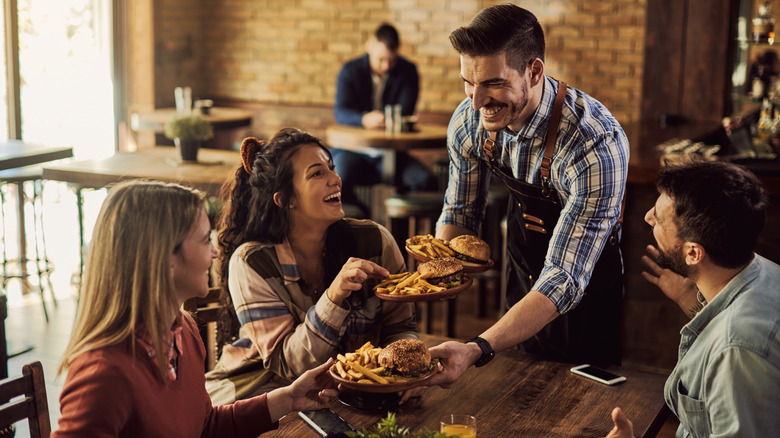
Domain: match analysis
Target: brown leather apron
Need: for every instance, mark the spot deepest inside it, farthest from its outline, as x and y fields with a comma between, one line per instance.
x=591, y=331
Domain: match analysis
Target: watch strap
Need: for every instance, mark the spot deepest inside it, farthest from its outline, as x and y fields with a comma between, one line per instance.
x=487, y=351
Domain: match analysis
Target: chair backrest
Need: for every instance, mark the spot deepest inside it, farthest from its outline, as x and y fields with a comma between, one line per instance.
x=206, y=312
x=25, y=397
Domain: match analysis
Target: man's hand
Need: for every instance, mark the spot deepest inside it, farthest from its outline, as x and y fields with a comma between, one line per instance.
x=455, y=358
x=374, y=120
x=679, y=289
x=623, y=427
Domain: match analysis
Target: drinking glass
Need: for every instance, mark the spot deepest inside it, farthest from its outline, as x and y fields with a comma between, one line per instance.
x=459, y=425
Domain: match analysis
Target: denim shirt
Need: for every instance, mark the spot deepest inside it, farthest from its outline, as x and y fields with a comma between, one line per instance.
x=727, y=379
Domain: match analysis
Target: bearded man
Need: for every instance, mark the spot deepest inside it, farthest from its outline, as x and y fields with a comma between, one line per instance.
x=706, y=223
x=564, y=158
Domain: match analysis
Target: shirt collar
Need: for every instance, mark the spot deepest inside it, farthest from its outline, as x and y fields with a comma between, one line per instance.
x=287, y=261
x=144, y=340
x=725, y=297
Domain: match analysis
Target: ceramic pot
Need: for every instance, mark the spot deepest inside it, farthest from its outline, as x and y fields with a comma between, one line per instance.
x=188, y=150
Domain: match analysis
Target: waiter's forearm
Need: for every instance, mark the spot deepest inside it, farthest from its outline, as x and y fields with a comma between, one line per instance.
x=523, y=320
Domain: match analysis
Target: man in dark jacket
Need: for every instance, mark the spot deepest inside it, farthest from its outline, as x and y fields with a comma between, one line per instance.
x=365, y=86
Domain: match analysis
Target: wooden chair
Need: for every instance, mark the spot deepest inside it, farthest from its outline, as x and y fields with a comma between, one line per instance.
x=32, y=405
x=206, y=313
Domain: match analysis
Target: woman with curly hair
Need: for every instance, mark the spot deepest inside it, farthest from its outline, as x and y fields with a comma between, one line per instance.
x=298, y=274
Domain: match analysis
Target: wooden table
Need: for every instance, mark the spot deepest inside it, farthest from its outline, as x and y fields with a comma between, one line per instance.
x=160, y=163
x=219, y=117
x=388, y=144
x=13, y=154
x=518, y=395
x=16, y=153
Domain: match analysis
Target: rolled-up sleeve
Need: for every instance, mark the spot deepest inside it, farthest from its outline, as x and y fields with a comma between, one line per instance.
x=596, y=184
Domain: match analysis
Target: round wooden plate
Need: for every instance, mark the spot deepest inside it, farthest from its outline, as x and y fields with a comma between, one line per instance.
x=402, y=385
x=443, y=295
x=467, y=269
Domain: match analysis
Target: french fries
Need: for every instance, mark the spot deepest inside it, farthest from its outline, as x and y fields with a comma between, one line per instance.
x=362, y=366
x=429, y=246
x=407, y=284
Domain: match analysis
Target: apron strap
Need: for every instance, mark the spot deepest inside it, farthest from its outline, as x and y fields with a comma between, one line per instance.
x=552, y=135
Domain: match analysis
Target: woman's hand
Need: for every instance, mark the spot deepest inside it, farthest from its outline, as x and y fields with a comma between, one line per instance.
x=312, y=390
x=351, y=277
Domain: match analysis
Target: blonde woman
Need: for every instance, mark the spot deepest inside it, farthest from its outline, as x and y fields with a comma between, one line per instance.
x=135, y=360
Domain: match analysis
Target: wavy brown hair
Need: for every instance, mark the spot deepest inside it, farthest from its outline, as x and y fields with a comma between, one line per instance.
x=249, y=213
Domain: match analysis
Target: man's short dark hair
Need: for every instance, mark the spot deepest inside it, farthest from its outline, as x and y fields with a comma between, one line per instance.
x=499, y=29
x=387, y=35
x=718, y=205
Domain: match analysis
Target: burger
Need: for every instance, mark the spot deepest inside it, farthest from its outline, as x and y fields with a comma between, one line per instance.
x=406, y=357
x=470, y=250
x=445, y=272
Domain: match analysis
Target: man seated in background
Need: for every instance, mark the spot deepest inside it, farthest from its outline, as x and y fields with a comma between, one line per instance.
x=706, y=223
x=365, y=85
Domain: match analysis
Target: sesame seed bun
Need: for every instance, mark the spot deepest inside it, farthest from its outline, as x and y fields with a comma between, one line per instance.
x=472, y=248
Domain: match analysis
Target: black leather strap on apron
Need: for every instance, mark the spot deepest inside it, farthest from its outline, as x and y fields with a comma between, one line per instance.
x=590, y=332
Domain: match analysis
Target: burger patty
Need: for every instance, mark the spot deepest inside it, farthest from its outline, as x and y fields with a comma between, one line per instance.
x=466, y=258
x=456, y=277
x=414, y=373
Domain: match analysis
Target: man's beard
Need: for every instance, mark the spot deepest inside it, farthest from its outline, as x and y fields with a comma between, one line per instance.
x=515, y=107
x=673, y=261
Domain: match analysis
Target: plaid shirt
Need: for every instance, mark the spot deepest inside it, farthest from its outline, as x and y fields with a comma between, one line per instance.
x=588, y=171
x=289, y=331
x=172, y=354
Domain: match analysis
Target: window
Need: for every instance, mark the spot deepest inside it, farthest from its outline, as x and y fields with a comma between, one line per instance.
x=65, y=74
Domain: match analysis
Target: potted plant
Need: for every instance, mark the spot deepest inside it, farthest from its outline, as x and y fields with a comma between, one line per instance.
x=187, y=132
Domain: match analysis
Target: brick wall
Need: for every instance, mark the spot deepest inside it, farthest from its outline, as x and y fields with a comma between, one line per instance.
x=290, y=51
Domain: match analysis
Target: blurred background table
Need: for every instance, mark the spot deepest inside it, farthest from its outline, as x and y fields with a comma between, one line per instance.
x=230, y=125
x=388, y=144
x=522, y=395
x=219, y=117
x=15, y=154
x=159, y=163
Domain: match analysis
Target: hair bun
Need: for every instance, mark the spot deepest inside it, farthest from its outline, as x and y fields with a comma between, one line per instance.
x=249, y=148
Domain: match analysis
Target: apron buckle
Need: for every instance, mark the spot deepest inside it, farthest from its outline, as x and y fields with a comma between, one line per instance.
x=546, y=187
x=489, y=147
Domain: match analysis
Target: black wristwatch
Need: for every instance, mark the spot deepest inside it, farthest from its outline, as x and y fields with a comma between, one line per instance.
x=487, y=351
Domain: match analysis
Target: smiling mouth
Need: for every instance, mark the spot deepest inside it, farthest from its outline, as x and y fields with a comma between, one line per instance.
x=336, y=197
x=491, y=110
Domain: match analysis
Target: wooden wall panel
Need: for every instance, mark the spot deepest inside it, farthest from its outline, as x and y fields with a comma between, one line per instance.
x=708, y=59
x=664, y=37
x=688, y=59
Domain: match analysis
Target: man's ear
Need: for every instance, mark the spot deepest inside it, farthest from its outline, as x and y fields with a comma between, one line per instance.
x=536, y=68
x=694, y=253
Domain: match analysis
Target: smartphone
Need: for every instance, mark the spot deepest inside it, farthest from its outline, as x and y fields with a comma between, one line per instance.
x=326, y=422
x=597, y=374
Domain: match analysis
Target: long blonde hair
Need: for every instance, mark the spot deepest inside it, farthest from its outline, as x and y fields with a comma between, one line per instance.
x=127, y=281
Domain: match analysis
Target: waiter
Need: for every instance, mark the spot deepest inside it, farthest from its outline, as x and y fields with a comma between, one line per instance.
x=564, y=158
